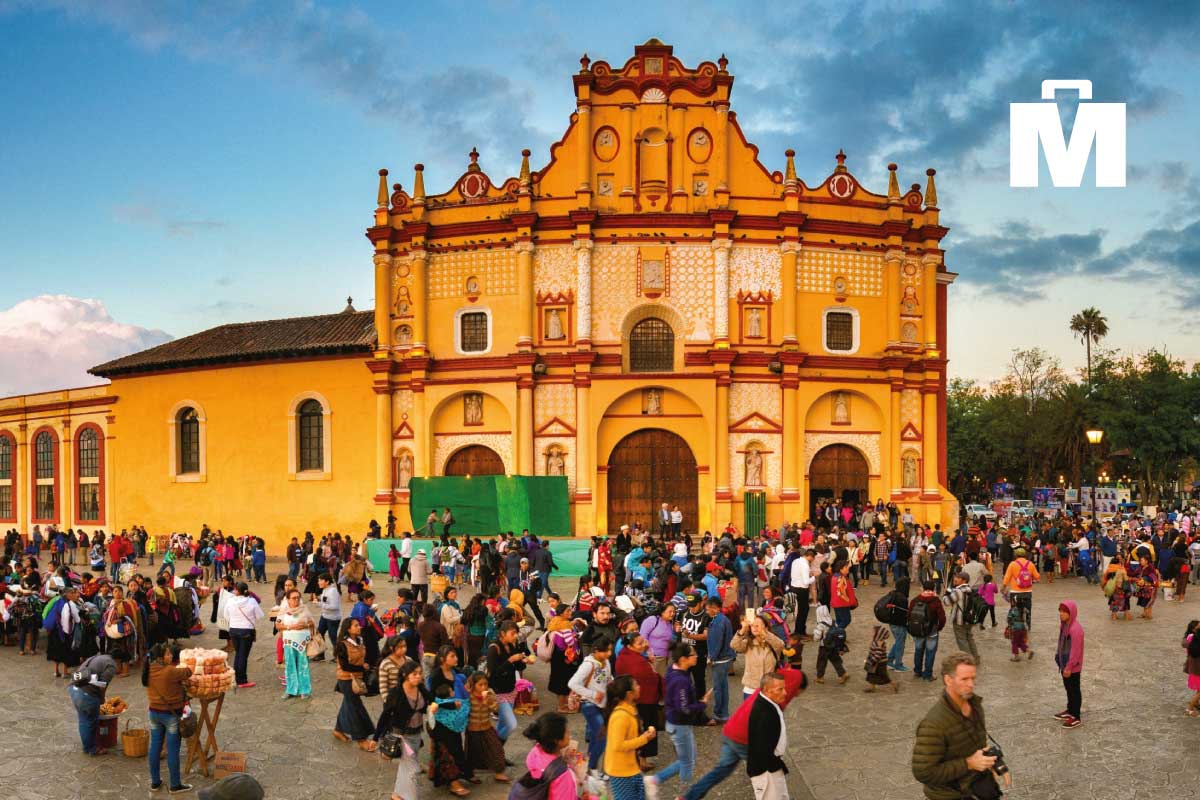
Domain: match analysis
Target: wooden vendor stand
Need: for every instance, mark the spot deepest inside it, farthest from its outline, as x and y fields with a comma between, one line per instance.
x=202, y=748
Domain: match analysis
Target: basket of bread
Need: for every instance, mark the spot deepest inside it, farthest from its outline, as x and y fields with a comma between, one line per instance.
x=211, y=674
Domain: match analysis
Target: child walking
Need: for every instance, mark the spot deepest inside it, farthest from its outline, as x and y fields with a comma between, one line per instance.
x=1017, y=631
x=1191, y=642
x=988, y=592
x=829, y=649
x=484, y=748
x=876, y=664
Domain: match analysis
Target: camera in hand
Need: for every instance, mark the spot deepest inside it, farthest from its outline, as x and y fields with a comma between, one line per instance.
x=1000, y=768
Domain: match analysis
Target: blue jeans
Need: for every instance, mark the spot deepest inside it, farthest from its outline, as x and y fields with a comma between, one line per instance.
x=87, y=709
x=896, y=654
x=507, y=722
x=114, y=569
x=720, y=690
x=899, y=569
x=924, y=651
x=593, y=715
x=243, y=640
x=293, y=569
x=732, y=754
x=164, y=724
x=842, y=616
x=684, y=739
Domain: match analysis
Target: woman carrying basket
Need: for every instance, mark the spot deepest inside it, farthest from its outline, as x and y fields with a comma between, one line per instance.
x=164, y=682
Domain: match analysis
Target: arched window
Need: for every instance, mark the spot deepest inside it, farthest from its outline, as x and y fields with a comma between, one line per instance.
x=8, y=510
x=45, y=474
x=652, y=346
x=188, y=445
x=312, y=451
x=89, y=486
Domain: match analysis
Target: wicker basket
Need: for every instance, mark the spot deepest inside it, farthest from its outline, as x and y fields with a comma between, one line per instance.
x=135, y=743
x=437, y=584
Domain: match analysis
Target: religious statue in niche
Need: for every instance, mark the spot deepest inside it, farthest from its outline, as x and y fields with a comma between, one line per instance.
x=754, y=323
x=604, y=187
x=653, y=275
x=909, y=463
x=404, y=335
x=909, y=302
x=605, y=138
x=908, y=332
x=652, y=402
x=403, y=305
x=554, y=325
x=700, y=187
x=472, y=285
x=473, y=409
x=841, y=408
x=404, y=469
x=754, y=467
x=556, y=463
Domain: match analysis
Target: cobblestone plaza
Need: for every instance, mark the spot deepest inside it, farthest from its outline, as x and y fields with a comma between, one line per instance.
x=1136, y=741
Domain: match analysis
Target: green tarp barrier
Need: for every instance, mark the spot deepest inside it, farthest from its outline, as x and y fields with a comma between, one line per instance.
x=486, y=505
x=569, y=554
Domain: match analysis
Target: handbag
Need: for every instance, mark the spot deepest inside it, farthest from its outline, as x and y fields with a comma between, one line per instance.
x=315, y=646
x=358, y=685
x=188, y=725
x=391, y=745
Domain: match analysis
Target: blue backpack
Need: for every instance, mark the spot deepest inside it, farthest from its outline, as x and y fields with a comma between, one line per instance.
x=52, y=613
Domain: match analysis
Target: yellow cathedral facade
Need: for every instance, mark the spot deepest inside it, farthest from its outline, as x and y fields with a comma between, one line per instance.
x=654, y=314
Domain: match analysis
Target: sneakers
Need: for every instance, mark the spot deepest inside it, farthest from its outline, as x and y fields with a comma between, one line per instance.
x=900, y=668
x=154, y=787
x=180, y=789
x=843, y=678
x=1072, y=722
x=1062, y=715
x=247, y=685
x=651, y=784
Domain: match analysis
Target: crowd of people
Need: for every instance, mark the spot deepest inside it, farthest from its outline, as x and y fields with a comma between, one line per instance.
x=643, y=646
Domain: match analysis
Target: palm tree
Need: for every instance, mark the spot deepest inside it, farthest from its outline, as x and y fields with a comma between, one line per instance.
x=1091, y=326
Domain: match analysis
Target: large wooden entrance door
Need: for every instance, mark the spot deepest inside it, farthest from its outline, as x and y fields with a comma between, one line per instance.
x=474, y=459
x=839, y=472
x=646, y=469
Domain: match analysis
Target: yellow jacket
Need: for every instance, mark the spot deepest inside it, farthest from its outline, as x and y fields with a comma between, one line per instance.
x=620, y=748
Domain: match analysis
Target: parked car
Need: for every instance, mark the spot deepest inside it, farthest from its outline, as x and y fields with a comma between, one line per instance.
x=976, y=512
x=1024, y=507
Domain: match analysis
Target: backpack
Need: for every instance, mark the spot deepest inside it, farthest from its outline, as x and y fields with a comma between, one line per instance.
x=1024, y=576
x=920, y=620
x=206, y=557
x=543, y=647
x=974, y=607
x=835, y=639
x=882, y=611
x=531, y=788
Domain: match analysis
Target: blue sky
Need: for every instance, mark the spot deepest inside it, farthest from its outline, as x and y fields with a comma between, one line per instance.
x=185, y=165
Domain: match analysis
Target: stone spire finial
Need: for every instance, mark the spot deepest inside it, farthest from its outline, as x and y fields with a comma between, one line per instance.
x=381, y=198
x=841, y=159
x=419, y=185
x=722, y=63
x=524, y=178
x=789, y=174
x=930, y=189
x=584, y=63
x=474, y=156
x=349, y=309
x=893, y=184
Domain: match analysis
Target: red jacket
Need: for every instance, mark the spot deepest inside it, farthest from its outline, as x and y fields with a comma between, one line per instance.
x=630, y=662
x=737, y=729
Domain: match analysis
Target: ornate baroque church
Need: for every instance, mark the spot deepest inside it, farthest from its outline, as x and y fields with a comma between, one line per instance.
x=654, y=313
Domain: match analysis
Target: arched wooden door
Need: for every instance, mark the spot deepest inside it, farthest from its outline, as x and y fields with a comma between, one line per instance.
x=646, y=469
x=475, y=459
x=838, y=472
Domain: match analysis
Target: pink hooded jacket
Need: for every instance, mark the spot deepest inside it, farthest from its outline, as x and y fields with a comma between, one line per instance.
x=1069, y=655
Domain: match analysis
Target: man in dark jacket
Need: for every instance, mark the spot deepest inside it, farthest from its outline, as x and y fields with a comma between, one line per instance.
x=948, y=755
x=767, y=740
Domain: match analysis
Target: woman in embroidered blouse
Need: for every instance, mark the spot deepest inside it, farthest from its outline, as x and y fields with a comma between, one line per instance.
x=295, y=626
x=120, y=630
x=353, y=721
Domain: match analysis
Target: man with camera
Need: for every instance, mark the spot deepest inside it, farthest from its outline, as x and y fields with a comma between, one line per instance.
x=951, y=757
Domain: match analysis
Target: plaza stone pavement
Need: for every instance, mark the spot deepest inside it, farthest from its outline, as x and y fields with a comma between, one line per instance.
x=1136, y=741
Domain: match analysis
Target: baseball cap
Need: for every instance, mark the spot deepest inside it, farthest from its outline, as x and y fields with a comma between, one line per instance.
x=238, y=786
x=694, y=598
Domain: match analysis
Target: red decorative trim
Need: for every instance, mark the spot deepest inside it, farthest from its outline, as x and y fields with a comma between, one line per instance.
x=703, y=81
x=909, y=433
x=13, y=461
x=711, y=145
x=595, y=146
x=553, y=421
x=754, y=300
x=583, y=496
x=61, y=405
x=774, y=177
x=100, y=456
x=702, y=469
x=743, y=424
x=789, y=494
x=383, y=498
x=405, y=431
x=724, y=494
x=602, y=469
x=33, y=479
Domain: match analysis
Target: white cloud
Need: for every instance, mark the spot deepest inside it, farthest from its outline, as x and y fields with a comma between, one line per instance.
x=50, y=341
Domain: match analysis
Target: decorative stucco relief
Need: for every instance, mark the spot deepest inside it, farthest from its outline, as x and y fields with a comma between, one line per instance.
x=614, y=276
x=865, y=443
x=495, y=271
x=755, y=269
x=502, y=443
x=554, y=269
x=747, y=398
x=818, y=268
x=552, y=400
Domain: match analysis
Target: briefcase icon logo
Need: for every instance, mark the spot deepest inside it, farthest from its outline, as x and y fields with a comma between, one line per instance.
x=1101, y=123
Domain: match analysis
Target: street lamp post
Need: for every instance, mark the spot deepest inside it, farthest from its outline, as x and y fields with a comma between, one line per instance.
x=1094, y=437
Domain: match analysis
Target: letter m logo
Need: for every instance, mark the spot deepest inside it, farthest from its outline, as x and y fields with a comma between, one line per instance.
x=1102, y=123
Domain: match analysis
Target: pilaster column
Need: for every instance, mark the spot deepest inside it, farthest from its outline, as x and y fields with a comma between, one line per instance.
x=628, y=149
x=110, y=471
x=421, y=435
x=895, y=444
x=584, y=149
x=929, y=267
x=721, y=445
x=66, y=483
x=893, y=263
x=24, y=495
x=584, y=466
x=721, y=248
x=929, y=441
x=383, y=443
x=525, y=322
x=524, y=430
x=420, y=301
x=721, y=148
x=679, y=133
x=383, y=300
x=793, y=439
x=791, y=253
x=583, y=285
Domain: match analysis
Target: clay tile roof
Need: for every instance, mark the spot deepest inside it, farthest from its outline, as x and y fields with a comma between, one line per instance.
x=298, y=337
